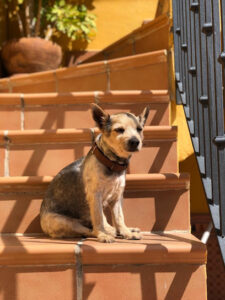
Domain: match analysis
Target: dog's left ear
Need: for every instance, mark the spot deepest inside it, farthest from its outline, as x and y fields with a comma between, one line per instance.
x=101, y=118
x=144, y=115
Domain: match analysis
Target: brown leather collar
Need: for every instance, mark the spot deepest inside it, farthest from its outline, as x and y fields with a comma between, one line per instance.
x=113, y=166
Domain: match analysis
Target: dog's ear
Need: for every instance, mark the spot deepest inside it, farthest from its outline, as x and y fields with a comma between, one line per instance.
x=101, y=118
x=144, y=115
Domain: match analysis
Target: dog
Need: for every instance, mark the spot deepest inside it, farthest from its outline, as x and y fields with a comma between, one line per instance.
x=75, y=200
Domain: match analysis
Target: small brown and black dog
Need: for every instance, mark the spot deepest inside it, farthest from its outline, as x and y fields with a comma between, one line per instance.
x=76, y=198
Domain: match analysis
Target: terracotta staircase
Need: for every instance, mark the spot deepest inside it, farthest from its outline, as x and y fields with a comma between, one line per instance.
x=45, y=123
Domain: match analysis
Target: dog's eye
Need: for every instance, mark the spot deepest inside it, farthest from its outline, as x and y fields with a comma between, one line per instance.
x=119, y=130
x=139, y=129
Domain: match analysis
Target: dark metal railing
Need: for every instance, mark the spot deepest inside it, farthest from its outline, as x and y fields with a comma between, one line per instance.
x=199, y=47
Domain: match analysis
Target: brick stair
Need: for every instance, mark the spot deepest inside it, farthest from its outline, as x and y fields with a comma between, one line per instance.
x=45, y=124
x=146, y=71
x=159, y=200
x=58, y=110
x=41, y=152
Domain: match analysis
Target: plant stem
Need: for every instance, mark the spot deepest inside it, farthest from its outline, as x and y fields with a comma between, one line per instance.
x=20, y=23
x=27, y=18
x=48, y=33
x=38, y=22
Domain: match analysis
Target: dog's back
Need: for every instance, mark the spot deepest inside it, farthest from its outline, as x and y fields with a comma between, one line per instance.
x=66, y=196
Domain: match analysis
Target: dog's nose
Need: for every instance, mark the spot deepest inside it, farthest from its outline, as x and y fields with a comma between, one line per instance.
x=133, y=144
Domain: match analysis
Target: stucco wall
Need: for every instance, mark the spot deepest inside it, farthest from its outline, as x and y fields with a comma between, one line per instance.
x=187, y=160
x=116, y=18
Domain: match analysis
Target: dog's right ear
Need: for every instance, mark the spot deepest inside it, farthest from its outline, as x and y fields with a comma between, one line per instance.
x=101, y=118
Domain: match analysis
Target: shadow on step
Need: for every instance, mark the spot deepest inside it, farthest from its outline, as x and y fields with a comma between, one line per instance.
x=38, y=282
x=138, y=282
x=150, y=277
x=21, y=213
x=27, y=274
x=79, y=115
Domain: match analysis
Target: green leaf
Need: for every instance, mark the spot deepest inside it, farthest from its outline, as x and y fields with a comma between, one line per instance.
x=73, y=20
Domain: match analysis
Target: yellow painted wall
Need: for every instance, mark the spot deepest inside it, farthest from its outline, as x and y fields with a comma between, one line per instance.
x=186, y=155
x=187, y=160
x=116, y=18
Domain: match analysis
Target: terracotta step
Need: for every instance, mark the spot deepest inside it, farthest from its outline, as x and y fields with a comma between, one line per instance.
x=152, y=202
x=72, y=110
x=151, y=36
x=166, y=266
x=139, y=72
x=46, y=152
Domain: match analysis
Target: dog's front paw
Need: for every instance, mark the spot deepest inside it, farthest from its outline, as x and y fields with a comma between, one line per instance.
x=110, y=230
x=135, y=236
x=129, y=235
x=105, y=238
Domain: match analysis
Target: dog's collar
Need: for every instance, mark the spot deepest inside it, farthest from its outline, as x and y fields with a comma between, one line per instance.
x=112, y=165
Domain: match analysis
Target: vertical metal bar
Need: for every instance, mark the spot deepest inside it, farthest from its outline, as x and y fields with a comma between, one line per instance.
x=198, y=65
x=183, y=51
x=176, y=30
x=188, y=64
x=221, y=131
x=204, y=101
x=193, y=86
x=218, y=67
x=181, y=83
x=208, y=29
x=184, y=48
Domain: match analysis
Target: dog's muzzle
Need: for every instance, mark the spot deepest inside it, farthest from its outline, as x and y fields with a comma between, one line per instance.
x=132, y=144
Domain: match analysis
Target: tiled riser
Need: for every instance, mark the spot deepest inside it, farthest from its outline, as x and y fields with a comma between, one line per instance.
x=146, y=41
x=142, y=78
x=38, y=282
x=72, y=116
x=142, y=45
x=153, y=42
x=49, y=159
x=150, y=211
x=148, y=37
x=157, y=210
x=147, y=282
x=104, y=282
x=140, y=72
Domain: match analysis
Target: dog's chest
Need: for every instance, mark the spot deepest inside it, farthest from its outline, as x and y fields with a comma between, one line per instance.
x=107, y=187
x=112, y=188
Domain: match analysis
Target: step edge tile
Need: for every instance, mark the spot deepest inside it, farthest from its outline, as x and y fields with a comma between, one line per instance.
x=39, y=136
x=163, y=181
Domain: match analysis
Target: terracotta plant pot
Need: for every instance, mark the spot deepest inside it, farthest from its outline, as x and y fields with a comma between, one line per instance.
x=28, y=55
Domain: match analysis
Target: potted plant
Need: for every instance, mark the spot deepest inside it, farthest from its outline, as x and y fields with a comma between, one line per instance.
x=39, y=22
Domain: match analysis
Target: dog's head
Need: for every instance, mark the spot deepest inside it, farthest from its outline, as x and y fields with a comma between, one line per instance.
x=123, y=132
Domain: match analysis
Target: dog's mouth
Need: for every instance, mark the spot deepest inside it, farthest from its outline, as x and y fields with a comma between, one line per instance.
x=133, y=150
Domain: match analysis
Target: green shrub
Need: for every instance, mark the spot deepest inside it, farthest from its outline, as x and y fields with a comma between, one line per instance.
x=46, y=18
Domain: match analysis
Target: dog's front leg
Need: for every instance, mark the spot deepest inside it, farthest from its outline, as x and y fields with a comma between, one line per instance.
x=118, y=220
x=99, y=220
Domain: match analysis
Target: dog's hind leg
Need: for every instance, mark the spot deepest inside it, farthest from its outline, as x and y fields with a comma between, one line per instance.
x=60, y=226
